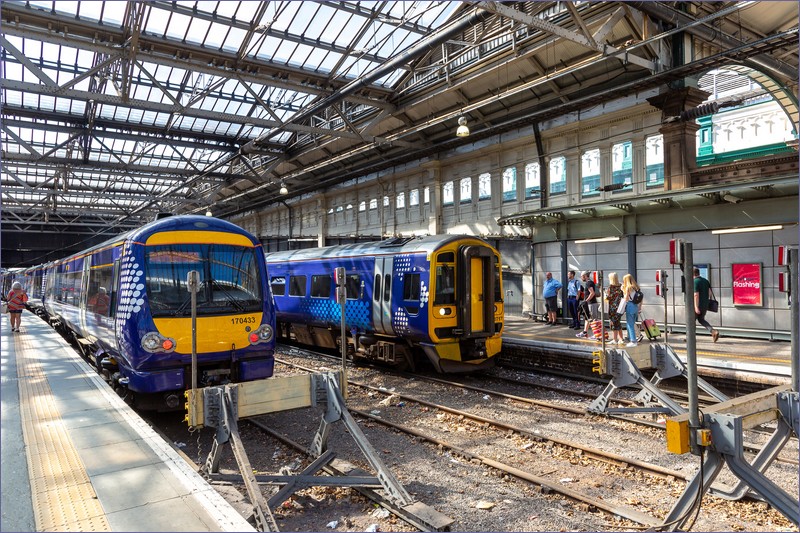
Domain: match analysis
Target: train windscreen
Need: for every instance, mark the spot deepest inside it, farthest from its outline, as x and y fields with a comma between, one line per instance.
x=229, y=279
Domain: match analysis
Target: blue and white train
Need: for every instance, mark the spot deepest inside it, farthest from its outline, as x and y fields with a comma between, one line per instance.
x=439, y=296
x=126, y=302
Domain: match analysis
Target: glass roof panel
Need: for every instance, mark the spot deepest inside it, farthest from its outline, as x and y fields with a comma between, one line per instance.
x=113, y=12
x=157, y=20
x=178, y=26
x=323, y=18
x=216, y=34
x=225, y=8
x=234, y=39
x=282, y=13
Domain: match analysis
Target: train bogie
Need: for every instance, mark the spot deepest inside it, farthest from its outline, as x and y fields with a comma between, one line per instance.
x=438, y=297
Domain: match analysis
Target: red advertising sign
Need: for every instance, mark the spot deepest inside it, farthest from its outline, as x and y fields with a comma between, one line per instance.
x=747, y=284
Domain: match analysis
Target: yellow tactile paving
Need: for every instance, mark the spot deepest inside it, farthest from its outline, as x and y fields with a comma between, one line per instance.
x=63, y=497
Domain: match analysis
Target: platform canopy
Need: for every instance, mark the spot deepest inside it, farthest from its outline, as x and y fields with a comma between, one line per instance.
x=114, y=111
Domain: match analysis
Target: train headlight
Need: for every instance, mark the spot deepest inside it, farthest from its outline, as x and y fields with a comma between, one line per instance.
x=444, y=311
x=153, y=342
x=263, y=334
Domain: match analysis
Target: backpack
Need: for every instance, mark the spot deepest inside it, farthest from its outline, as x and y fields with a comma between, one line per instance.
x=637, y=297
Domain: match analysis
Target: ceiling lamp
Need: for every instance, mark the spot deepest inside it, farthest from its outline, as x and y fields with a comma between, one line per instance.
x=747, y=230
x=209, y=213
x=284, y=190
x=463, y=130
x=599, y=239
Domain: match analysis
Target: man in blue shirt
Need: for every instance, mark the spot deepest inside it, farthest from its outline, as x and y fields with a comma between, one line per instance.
x=573, y=288
x=550, y=293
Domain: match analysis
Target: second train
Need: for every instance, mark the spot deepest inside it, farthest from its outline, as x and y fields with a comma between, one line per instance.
x=407, y=299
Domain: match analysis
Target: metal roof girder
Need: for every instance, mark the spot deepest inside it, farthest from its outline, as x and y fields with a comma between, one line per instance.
x=546, y=26
x=19, y=56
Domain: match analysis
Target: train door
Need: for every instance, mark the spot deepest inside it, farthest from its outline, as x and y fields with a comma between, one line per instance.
x=382, y=295
x=512, y=283
x=84, y=293
x=476, y=291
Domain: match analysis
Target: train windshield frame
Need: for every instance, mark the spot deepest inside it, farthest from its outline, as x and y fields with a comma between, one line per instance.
x=230, y=281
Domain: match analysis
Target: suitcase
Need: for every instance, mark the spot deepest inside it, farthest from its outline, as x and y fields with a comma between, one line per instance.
x=650, y=328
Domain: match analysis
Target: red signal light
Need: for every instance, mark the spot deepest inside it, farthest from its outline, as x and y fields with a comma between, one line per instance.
x=676, y=251
x=254, y=337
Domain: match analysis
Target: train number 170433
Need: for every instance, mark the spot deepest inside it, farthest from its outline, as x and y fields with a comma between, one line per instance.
x=243, y=320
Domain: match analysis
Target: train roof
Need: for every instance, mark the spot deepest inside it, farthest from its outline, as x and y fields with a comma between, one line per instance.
x=397, y=245
x=173, y=223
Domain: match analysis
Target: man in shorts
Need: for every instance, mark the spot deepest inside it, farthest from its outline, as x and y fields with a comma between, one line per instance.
x=550, y=294
x=590, y=307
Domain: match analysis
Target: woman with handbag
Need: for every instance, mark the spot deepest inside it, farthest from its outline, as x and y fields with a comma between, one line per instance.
x=615, y=300
x=16, y=303
x=630, y=290
x=702, y=296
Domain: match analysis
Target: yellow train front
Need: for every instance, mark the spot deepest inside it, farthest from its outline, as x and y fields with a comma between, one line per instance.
x=436, y=296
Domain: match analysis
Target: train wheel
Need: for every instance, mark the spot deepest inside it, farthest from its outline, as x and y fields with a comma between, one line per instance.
x=404, y=359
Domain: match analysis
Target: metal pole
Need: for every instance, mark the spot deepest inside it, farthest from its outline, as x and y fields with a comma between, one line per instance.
x=340, y=276
x=691, y=346
x=666, y=306
x=794, y=288
x=602, y=312
x=192, y=281
x=342, y=297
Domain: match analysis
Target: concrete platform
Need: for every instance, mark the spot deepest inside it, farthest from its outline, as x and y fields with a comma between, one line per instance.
x=767, y=362
x=75, y=457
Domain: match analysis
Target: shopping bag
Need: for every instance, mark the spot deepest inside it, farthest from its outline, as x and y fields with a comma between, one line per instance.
x=4, y=308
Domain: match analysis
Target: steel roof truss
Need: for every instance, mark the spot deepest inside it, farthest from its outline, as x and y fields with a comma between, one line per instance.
x=19, y=56
x=546, y=26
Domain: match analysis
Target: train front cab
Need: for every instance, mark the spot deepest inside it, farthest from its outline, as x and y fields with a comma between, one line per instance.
x=466, y=318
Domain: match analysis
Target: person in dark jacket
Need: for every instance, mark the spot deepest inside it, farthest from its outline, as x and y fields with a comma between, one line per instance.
x=702, y=294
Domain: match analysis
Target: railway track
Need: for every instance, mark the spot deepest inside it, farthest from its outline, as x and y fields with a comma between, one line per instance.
x=621, y=466
x=459, y=382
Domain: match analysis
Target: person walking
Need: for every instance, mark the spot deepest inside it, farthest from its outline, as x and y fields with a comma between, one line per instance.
x=589, y=306
x=702, y=294
x=614, y=297
x=574, y=289
x=629, y=289
x=16, y=303
x=550, y=294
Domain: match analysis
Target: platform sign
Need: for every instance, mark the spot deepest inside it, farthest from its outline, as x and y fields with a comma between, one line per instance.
x=747, y=285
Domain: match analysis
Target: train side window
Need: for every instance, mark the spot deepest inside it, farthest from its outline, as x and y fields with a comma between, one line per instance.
x=377, y=288
x=100, y=285
x=321, y=286
x=297, y=285
x=353, y=287
x=278, y=284
x=445, y=293
x=387, y=287
x=411, y=291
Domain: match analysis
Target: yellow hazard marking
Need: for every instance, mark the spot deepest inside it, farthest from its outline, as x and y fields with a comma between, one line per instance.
x=720, y=355
x=62, y=495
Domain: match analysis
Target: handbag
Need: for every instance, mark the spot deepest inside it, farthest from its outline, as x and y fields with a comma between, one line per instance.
x=623, y=303
x=713, y=304
x=4, y=308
